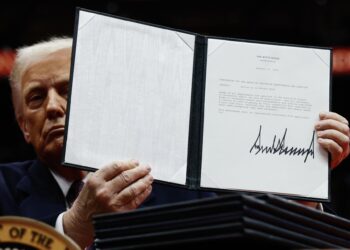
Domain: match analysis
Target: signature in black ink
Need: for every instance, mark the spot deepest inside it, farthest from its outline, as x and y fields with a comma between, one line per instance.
x=280, y=147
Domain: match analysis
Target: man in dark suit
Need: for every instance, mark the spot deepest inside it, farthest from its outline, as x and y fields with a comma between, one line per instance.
x=40, y=188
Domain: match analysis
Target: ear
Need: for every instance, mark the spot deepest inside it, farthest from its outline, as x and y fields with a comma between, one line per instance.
x=24, y=127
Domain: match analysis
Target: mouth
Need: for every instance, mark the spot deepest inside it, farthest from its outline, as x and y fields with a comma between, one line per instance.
x=54, y=132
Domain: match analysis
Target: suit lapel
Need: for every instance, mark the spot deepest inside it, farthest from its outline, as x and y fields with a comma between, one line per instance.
x=40, y=195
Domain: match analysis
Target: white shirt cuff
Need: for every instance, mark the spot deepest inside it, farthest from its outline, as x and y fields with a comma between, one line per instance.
x=59, y=223
x=320, y=207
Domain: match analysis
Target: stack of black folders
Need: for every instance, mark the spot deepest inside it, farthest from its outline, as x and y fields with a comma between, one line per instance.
x=228, y=222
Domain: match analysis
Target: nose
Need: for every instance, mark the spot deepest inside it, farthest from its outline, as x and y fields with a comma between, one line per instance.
x=56, y=105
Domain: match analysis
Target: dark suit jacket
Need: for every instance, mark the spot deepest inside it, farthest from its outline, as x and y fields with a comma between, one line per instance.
x=28, y=189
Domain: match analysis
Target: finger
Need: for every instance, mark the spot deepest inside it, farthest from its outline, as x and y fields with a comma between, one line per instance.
x=127, y=177
x=134, y=190
x=332, y=124
x=113, y=169
x=135, y=203
x=332, y=147
x=308, y=203
x=334, y=135
x=333, y=116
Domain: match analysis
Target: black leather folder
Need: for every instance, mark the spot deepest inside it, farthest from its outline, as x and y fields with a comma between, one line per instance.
x=191, y=89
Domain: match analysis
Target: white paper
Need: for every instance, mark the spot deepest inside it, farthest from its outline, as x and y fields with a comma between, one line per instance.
x=131, y=96
x=252, y=86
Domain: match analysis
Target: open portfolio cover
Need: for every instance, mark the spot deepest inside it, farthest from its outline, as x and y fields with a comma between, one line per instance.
x=203, y=112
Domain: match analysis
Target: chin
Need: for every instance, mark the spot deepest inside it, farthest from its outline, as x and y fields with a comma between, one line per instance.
x=53, y=152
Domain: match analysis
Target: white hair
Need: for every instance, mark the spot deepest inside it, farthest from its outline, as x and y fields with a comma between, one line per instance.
x=25, y=57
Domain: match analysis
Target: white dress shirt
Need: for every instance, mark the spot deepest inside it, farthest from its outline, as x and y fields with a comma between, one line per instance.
x=64, y=185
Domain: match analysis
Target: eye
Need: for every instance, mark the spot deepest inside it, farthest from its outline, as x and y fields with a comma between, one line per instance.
x=64, y=91
x=35, y=99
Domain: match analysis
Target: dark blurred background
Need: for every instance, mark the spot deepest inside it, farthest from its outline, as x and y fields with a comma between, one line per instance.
x=308, y=22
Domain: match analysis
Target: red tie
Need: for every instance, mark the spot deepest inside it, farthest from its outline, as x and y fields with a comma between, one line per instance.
x=73, y=192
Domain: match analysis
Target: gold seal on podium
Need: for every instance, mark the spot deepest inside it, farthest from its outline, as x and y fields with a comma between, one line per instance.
x=24, y=233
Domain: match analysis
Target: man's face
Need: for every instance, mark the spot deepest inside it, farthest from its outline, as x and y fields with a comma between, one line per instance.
x=44, y=93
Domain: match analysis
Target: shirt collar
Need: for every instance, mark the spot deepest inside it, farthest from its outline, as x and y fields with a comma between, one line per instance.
x=63, y=183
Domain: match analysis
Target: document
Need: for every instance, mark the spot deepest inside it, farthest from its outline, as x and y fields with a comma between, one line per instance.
x=203, y=112
x=131, y=96
x=261, y=104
